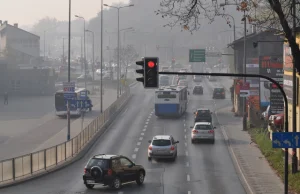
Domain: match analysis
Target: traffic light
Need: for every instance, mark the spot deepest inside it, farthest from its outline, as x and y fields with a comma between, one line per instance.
x=141, y=71
x=151, y=72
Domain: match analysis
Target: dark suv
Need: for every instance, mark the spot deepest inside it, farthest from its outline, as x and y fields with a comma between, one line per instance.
x=112, y=170
x=219, y=93
x=203, y=115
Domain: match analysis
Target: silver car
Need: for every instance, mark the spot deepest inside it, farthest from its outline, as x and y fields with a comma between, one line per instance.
x=203, y=131
x=162, y=146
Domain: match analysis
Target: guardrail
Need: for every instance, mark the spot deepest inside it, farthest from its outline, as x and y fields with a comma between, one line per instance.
x=31, y=165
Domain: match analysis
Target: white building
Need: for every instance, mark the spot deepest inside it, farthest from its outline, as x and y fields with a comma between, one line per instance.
x=17, y=45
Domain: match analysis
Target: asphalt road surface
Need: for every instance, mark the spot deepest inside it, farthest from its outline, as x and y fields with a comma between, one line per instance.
x=199, y=168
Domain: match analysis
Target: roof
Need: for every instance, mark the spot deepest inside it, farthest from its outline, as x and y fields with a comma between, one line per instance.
x=202, y=108
x=105, y=156
x=167, y=137
x=5, y=25
x=203, y=123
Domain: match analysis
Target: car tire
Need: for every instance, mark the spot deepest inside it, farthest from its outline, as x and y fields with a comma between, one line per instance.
x=213, y=141
x=89, y=186
x=149, y=158
x=116, y=183
x=141, y=177
x=192, y=141
x=174, y=158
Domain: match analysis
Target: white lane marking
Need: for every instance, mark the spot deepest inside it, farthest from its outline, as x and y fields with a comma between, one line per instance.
x=147, y=123
x=186, y=153
x=149, y=117
x=188, y=177
x=144, y=129
x=120, y=192
x=145, y=126
x=148, y=120
x=189, y=192
x=125, y=111
x=133, y=156
x=184, y=124
x=184, y=130
x=141, y=138
x=183, y=120
x=185, y=144
x=142, y=133
x=138, y=143
x=136, y=149
x=187, y=164
x=184, y=136
x=153, y=161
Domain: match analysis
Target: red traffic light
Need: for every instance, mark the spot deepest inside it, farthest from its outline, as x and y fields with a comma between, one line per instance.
x=151, y=64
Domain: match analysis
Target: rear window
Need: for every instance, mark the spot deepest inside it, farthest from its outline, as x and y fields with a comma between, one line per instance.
x=219, y=89
x=198, y=87
x=203, y=113
x=161, y=142
x=102, y=163
x=203, y=127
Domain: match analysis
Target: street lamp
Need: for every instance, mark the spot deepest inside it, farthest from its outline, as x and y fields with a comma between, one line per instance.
x=93, y=63
x=118, y=74
x=84, y=54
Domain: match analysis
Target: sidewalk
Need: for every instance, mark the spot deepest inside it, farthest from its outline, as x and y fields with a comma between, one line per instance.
x=260, y=177
x=76, y=125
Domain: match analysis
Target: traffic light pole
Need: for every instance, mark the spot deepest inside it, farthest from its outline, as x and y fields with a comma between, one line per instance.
x=286, y=111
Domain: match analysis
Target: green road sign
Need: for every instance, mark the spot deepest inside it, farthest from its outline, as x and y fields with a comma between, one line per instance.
x=197, y=55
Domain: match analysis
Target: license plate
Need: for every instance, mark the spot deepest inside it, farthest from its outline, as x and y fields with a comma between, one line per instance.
x=90, y=181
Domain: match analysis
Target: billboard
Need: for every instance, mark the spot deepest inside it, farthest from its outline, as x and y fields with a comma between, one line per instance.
x=288, y=88
x=252, y=67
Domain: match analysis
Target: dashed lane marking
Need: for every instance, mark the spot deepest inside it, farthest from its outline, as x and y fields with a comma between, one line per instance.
x=144, y=129
x=184, y=130
x=148, y=120
x=141, y=138
x=186, y=153
x=147, y=123
x=120, y=192
x=187, y=164
x=188, y=177
x=184, y=136
x=142, y=133
x=145, y=126
x=153, y=161
x=189, y=192
x=133, y=156
x=138, y=143
x=184, y=124
x=185, y=144
x=136, y=149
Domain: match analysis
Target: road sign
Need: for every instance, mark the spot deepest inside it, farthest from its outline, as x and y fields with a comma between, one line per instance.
x=79, y=103
x=70, y=95
x=83, y=94
x=69, y=87
x=286, y=139
x=197, y=55
x=244, y=89
x=213, y=54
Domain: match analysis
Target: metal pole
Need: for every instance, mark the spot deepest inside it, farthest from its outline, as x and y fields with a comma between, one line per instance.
x=84, y=53
x=63, y=50
x=244, y=78
x=101, y=66
x=118, y=76
x=44, y=45
x=69, y=72
x=294, y=156
x=93, y=68
x=81, y=55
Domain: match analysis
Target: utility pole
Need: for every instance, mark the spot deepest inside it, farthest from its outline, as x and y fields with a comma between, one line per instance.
x=63, y=57
x=244, y=72
x=44, y=45
x=69, y=72
x=101, y=66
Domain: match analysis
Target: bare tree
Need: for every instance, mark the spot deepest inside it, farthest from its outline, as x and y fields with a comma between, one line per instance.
x=265, y=13
x=128, y=55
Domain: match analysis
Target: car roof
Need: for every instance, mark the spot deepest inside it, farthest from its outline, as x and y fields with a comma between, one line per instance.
x=202, y=109
x=166, y=137
x=197, y=86
x=219, y=87
x=106, y=156
x=203, y=123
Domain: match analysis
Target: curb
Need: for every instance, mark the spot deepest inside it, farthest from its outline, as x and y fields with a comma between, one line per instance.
x=80, y=155
x=234, y=159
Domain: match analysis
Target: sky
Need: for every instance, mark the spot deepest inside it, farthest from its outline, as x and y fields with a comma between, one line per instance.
x=28, y=12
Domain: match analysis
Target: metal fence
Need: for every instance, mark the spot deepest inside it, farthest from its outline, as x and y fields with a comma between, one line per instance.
x=26, y=166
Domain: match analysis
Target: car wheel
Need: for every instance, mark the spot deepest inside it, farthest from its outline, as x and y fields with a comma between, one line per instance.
x=213, y=141
x=149, y=158
x=174, y=158
x=116, y=184
x=89, y=186
x=192, y=141
x=141, y=177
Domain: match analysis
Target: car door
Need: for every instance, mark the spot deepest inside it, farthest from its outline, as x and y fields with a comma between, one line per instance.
x=117, y=167
x=129, y=170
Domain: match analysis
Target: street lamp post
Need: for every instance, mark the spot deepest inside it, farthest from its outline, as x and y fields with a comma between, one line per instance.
x=101, y=62
x=93, y=54
x=44, y=45
x=69, y=72
x=84, y=53
x=118, y=73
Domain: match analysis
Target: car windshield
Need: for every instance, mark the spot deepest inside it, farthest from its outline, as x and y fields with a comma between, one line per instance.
x=203, y=127
x=161, y=142
x=102, y=163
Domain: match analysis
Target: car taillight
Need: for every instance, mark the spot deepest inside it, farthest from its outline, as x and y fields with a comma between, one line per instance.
x=85, y=171
x=109, y=172
x=172, y=148
x=195, y=131
x=150, y=147
x=211, y=131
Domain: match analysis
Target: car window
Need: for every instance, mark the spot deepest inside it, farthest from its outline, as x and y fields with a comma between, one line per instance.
x=203, y=127
x=197, y=87
x=125, y=162
x=219, y=89
x=115, y=163
x=203, y=113
x=161, y=142
x=102, y=163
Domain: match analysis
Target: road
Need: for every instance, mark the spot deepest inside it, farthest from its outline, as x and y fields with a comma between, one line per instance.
x=27, y=122
x=199, y=168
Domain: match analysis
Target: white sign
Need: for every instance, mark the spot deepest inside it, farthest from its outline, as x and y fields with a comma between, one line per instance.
x=244, y=93
x=69, y=87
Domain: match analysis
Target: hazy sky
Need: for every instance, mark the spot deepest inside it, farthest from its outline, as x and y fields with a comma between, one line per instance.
x=28, y=12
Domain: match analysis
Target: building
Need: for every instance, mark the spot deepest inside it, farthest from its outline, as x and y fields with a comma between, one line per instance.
x=18, y=46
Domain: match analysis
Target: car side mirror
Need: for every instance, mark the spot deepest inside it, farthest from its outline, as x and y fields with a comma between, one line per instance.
x=149, y=141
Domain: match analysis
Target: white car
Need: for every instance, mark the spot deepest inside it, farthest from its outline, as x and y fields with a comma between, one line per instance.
x=203, y=131
x=163, y=147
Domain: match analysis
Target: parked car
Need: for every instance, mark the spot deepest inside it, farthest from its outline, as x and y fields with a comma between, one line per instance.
x=277, y=121
x=112, y=170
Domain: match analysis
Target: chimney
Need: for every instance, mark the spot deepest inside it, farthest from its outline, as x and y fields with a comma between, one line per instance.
x=0, y=22
x=16, y=25
x=253, y=28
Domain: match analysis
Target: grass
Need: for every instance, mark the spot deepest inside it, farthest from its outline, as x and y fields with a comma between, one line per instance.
x=275, y=157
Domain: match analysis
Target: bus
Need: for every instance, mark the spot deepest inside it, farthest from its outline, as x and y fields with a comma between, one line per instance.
x=171, y=101
x=60, y=102
x=164, y=80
